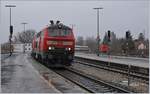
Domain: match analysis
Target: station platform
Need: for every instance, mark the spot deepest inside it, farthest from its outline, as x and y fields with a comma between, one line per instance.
x=140, y=62
x=19, y=76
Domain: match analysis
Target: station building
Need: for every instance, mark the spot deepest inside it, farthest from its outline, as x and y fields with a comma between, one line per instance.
x=22, y=47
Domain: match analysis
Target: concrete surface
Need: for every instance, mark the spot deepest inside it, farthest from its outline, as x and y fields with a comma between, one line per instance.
x=19, y=76
x=135, y=62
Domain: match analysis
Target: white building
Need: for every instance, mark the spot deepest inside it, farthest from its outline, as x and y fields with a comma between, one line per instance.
x=79, y=48
x=141, y=46
x=28, y=47
x=20, y=47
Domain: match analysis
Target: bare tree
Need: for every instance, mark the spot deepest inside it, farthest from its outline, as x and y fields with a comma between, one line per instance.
x=91, y=43
x=25, y=37
x=128, y=45
x=141, y=37
x=80, y=41
x=114, y=44
x=105, y=39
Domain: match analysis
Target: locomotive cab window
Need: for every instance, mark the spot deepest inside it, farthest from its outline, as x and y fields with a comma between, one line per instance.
x=59, y=32
x=38, y=34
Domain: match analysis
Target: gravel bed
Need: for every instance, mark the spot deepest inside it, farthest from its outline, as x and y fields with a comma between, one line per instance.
x=113, y=77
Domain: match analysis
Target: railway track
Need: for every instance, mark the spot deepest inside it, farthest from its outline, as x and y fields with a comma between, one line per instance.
x=89, y=83
x=132, y=74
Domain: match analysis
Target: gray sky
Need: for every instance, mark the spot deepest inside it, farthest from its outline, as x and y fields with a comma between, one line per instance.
x=118, y=16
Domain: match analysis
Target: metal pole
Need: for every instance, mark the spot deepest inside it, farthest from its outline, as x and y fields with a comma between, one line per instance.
x=129, y=69
x=98, y=37
x=9, y=27
x=24, y=27
x=10, y=16
x=10, y=36
x=72, y=26
x=10, y=44
x=24, y=31
x=24, y=43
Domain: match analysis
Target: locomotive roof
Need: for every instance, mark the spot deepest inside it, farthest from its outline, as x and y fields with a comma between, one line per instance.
x=56, y=26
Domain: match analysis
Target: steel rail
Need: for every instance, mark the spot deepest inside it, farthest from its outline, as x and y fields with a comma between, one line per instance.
x=74, y=81
x=108, y=87
x=143, y=77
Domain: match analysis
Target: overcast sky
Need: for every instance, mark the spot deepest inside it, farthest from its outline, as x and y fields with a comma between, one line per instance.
x=118, y=16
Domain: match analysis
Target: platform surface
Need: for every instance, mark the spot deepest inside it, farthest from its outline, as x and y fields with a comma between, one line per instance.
x=19, y=76
x=121, y=60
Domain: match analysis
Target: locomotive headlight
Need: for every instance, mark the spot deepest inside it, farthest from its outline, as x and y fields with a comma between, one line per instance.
x=68, y=49
x=51, y=48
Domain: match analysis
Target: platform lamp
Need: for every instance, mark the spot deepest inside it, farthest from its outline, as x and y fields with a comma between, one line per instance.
x=10, y=27
x=98, y=37
x=24, y=29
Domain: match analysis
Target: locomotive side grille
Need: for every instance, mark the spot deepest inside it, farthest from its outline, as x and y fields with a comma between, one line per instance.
x=60, y=49
x=67, y=43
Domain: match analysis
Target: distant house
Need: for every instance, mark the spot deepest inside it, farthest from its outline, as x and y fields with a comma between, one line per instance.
x=79, y=48
x=141, y=46
x=5, y=47
x=28, y=47
x=18, y=47
x=22, y=47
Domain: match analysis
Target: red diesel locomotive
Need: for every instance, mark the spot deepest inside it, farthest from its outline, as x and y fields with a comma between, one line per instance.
x=54, y=45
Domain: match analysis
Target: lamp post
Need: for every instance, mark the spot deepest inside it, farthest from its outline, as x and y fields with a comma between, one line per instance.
x=11, y=27
x=98, y=37
x=72, y=26
x=24, y=23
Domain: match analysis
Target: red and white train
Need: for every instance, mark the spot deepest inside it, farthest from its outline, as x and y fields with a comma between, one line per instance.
x=54, y=45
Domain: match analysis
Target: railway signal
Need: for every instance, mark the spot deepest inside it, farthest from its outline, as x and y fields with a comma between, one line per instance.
x=57, y=22
x=109, y=35
x=11, y=30
x=52, y=22
x=11, y=27
x=127, y=34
